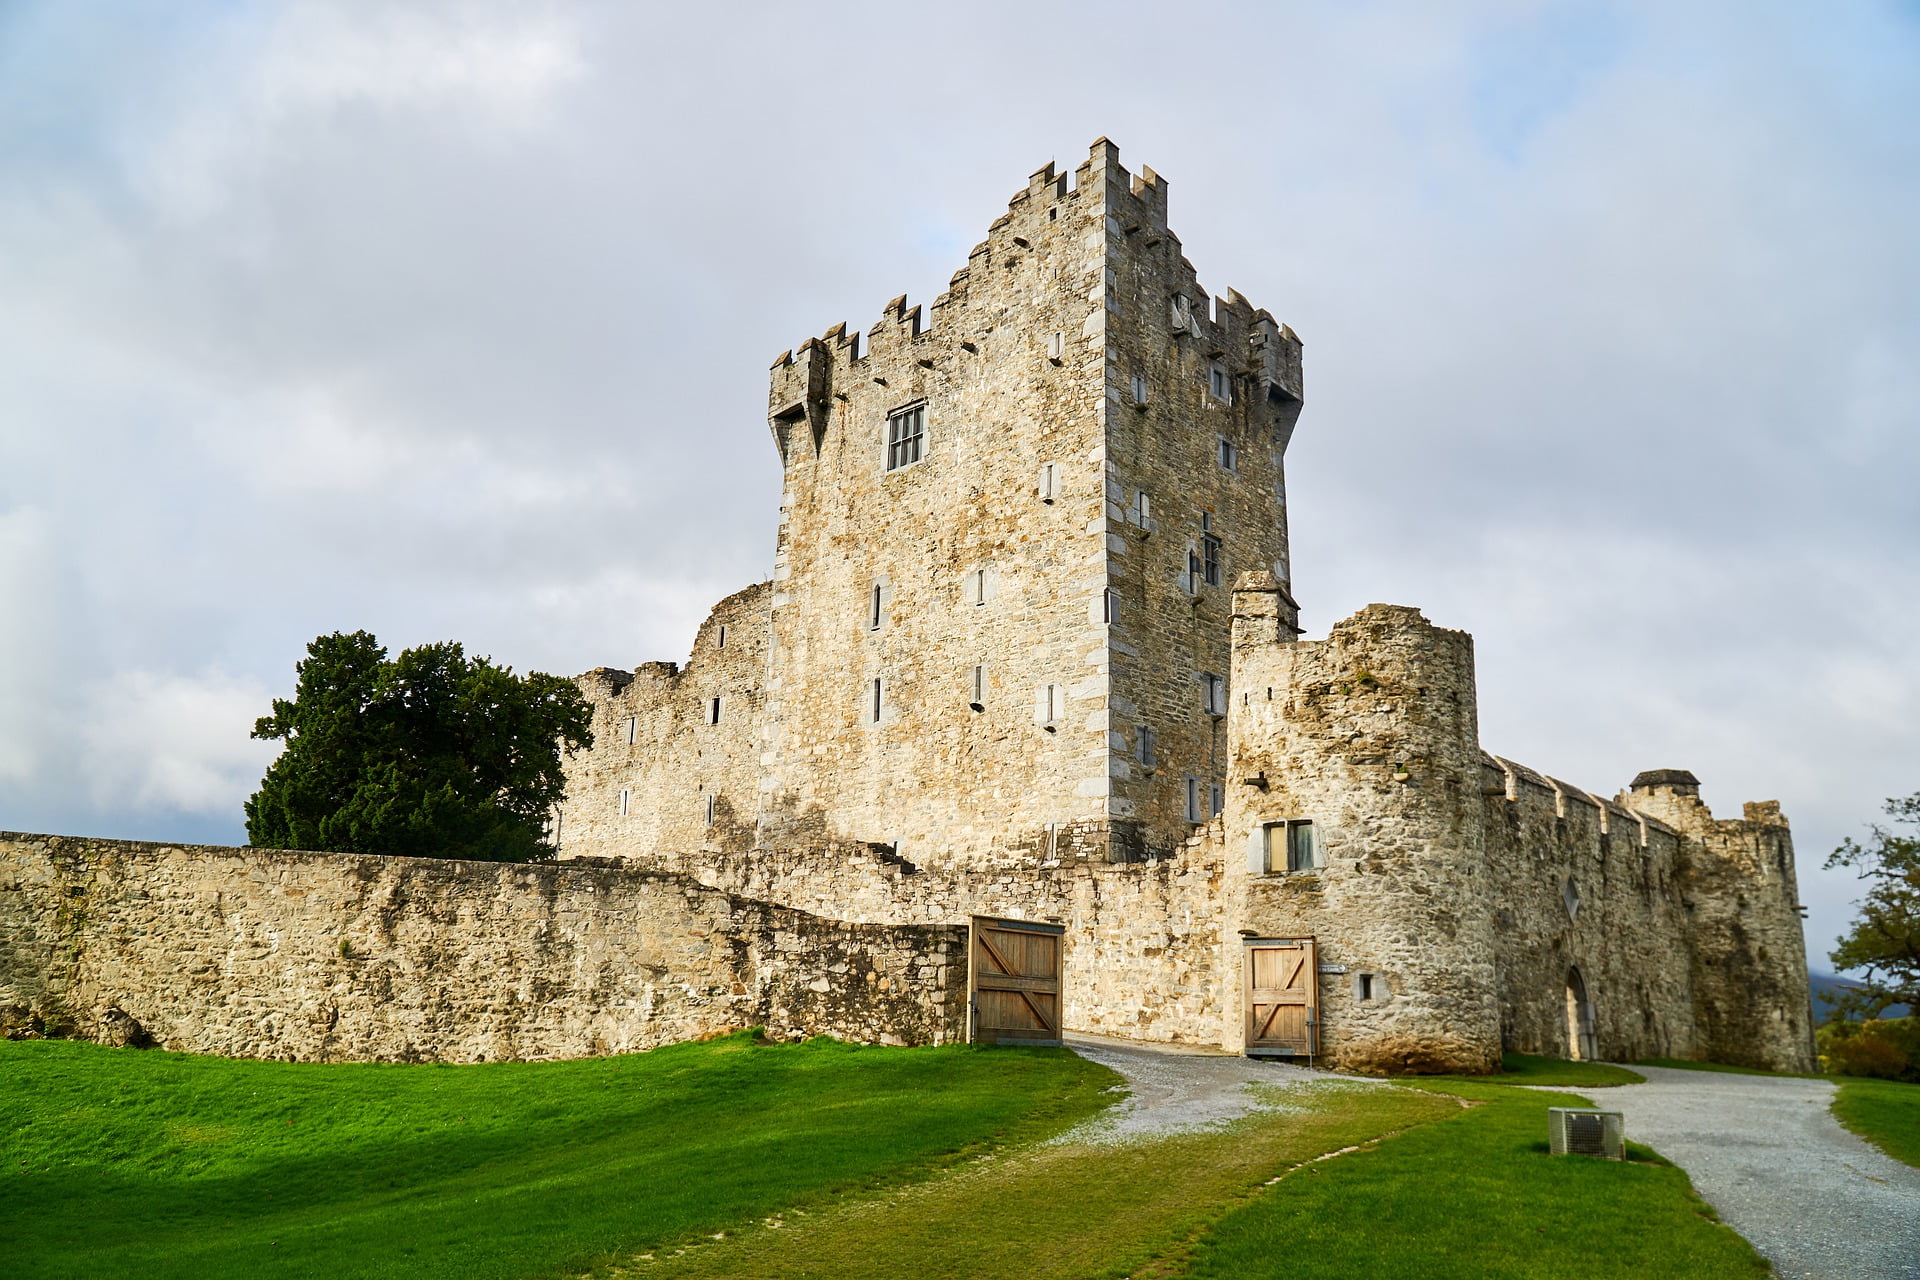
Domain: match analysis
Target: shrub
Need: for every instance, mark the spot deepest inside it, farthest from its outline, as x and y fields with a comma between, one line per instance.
x=1887, y=1048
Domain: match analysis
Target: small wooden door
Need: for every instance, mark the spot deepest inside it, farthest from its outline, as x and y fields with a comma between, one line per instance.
x=1013, y=981
x=1283, y=997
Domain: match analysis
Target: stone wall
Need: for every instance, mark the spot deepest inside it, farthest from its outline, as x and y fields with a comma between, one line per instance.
x=335, y=957
x=1143, y=941
x=1588, y=886
x=668, y=767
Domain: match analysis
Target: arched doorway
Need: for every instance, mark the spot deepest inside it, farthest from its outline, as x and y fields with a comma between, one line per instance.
x=1579, y=1018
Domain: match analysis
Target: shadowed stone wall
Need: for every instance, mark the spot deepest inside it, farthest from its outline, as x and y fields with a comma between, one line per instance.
x=335, y=957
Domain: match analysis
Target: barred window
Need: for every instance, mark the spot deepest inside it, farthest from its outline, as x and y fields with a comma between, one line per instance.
x=1210, y=559
x=906, y=436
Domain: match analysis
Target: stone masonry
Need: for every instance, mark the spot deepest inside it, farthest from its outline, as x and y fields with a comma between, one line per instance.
x=335, y=957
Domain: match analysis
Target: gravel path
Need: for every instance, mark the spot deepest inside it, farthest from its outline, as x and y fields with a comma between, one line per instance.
x=1181, y=1087
x=1766, y=1152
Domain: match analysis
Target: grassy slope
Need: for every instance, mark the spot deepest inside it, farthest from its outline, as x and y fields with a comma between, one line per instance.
x=1477, y=1197
x=162, y=1165
x=1884, y=1112
x=1687, y=1064
x=1069, y=1211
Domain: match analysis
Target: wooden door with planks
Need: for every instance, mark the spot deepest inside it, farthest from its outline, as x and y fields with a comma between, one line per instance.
x=1283, y=997
x=1013, y=981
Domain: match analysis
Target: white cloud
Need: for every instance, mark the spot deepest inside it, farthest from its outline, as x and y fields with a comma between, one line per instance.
x=163, y=741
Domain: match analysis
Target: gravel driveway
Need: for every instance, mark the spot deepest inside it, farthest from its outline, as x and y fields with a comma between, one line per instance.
x=1180, y=1087
x=1766, y=1152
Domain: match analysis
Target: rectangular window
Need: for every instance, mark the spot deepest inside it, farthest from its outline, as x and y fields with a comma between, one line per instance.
x=873, y=701
x=1110, y=606
x=1210, y=559
x=1143, y=510
x=1196, y=569
x=713, y=711
x=1363, y=986
x=876, y=607
x=1216, y=798
x=1303, y=851
x=1213, y=693
x=1219, y=384
x=1147, y=747
x=906, y=436
x=626, y=801
x=978, y=698
x=710, y=807
x=1139, y=388
x=1049, y=706
x=631, y=729
x=1229, y=454
x=1049, y=482
x=977, y=587
x=1057, y=347
x=1193, y=800
x=720, y=640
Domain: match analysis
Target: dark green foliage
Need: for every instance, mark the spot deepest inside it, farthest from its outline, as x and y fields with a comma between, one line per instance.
x=167, y=1165
x=429, y=755
x=1884, y=943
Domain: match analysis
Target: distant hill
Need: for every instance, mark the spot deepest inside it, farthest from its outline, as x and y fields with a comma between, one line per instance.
x=1826, y=986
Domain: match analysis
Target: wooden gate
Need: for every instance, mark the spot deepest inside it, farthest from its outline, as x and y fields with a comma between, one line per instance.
x=1013, y=981
x=1283, y=997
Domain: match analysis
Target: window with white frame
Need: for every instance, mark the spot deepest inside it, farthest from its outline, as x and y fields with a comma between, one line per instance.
x=1213, y=693
x=1049, y=481
x=1146, y=747
x=1057, y=347
x=1229, y=454
x=1139, y=388
x=906, y=436
x=1219, y=384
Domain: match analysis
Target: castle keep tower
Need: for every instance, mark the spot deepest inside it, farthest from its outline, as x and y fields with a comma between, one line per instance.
x=1000, y=606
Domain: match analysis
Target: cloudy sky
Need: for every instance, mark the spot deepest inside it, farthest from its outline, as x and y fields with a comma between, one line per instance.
x=452, y=322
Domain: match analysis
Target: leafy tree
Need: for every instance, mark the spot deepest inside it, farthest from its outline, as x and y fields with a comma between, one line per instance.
x=432, y=754
x=1885, y=939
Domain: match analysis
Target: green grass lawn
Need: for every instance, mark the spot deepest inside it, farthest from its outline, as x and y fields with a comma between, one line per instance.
x=129, y=1163
x=1520, y=1068
x=1884, y=1112
x=1066, y=1211
x=1477, y=1197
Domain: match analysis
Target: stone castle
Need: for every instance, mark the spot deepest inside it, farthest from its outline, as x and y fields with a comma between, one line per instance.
x=1029, y=651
